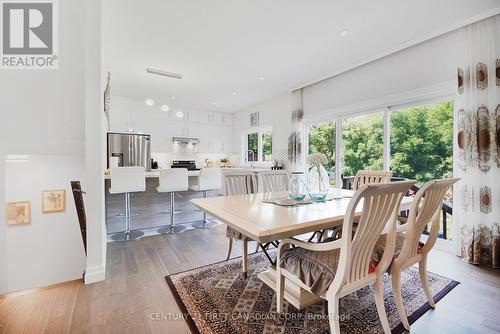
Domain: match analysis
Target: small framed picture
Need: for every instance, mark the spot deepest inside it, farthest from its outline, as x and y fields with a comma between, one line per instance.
x=18, y=213
x=254, y=119
x=53, y=201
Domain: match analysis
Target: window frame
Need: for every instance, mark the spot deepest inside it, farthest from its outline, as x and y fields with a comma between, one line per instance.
x=260, y=131
x=387, y=110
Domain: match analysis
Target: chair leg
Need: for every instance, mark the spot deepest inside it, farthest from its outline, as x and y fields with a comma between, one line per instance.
x=379, y=301
x=333, y=315
x=229, y=248
x=244, y=257
x=422, y=268
x=398, y=299
x=256, y=247
x=280, y=290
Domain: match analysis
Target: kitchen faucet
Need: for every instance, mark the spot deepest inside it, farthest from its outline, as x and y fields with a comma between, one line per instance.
x=253, y=157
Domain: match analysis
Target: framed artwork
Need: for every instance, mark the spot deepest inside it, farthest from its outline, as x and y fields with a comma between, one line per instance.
x=53, y=201
x=18, y=213
x=254, y=119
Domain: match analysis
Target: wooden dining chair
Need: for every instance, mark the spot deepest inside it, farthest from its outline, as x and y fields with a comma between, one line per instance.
x=272, y=181
x=333, y=269
x=239, y=184
x=362, y=177
x=370, y=177
x=425, y=208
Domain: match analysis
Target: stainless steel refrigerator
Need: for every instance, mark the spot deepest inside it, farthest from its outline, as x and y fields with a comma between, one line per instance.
x=129, y=149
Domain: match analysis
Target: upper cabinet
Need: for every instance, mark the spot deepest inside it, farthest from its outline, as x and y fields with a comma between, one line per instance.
x=216, y=118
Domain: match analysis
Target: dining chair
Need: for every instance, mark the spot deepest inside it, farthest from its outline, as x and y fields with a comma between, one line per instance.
x=425, y=208
x=272, y=181
x=333, y=269
x=362, y=177
x=239, y=184
x=370, y=177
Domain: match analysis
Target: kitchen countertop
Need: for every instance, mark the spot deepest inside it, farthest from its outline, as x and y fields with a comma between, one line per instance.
x=196, y=173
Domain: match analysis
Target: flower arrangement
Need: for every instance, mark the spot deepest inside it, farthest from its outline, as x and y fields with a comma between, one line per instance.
x=317, y=159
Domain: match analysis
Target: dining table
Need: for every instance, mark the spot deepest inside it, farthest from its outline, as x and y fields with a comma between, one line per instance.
x=258, y=217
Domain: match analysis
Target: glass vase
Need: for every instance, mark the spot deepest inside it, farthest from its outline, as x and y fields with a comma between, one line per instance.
x=318, y=182
x=297, y=188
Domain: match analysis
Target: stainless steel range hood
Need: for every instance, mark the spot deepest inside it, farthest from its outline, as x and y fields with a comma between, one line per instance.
x=185, y=140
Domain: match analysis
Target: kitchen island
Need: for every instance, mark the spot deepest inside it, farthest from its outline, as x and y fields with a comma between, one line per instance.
x=148, y=207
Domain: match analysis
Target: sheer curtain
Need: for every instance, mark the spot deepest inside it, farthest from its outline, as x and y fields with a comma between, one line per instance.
x=477, y=145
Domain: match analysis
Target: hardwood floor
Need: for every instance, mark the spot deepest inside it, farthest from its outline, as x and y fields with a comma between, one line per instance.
x=135, y=293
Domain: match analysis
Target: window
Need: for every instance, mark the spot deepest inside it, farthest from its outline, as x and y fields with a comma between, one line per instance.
x=259, y=145
x=421, y=142
x=363, y=143
x=321, y=139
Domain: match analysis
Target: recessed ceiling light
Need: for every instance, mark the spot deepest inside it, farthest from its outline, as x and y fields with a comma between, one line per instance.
x=149, y=102
x=235, y=93
x=344, y=32
x=261, y=78
x=179, y=114
x=215, y=103
x=173, y=97
x=165, y=107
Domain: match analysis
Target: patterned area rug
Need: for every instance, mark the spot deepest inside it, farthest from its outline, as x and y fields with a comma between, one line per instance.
x=218, y=299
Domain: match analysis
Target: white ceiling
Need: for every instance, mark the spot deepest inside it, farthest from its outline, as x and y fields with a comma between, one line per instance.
x=225, y=46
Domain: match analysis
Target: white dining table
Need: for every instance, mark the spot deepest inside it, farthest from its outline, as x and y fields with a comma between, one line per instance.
x=268, y=223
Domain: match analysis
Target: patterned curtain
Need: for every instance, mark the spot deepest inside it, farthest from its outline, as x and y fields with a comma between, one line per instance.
x=477, y=144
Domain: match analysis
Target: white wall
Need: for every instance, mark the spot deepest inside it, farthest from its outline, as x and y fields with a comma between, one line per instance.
x=430, y=63
x=275, y=113
x=42, y=113
x=49, y=249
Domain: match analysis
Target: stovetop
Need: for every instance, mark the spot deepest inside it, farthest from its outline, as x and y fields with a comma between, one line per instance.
x=189, y=164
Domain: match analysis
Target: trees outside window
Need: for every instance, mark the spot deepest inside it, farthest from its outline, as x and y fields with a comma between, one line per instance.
x=421, y=142
x=321, y=139
x=362, y=141
x=258, y=145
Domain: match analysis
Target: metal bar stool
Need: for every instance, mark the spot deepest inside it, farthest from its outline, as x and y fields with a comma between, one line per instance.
x=209, y=179
x=172, y=180
x=127, y=180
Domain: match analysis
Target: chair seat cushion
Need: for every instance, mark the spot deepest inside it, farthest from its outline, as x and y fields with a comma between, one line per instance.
x=236, y=235
x=317, y=269
x=194, y=187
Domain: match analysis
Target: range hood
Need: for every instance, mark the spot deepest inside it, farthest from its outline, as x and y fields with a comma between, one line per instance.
x=185, y=140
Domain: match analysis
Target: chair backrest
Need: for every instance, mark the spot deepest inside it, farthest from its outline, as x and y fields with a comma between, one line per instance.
x=272, y=181
x=427, y=202
x=210, y=179
x=370, y=177
x=380, y=202
x=173, y=179
x=127, y=180
x=239, y=183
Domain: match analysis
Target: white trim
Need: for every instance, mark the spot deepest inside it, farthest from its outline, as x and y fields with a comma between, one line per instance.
x=260, y=131
x=406, y=45
x=94, y=274
x=387, y=139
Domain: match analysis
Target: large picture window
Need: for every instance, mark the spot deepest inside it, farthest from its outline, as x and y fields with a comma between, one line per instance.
x=258, y=145
x=321, y=139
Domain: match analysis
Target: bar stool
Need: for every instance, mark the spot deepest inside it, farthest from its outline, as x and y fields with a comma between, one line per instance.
x=171, y=181
x=126, y=180
x=209, y=179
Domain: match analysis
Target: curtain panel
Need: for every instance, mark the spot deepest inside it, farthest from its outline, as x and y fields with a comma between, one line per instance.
x=477, y=144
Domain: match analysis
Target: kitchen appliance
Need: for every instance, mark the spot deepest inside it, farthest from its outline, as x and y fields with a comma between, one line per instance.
x=189, y=164
x=129, y=149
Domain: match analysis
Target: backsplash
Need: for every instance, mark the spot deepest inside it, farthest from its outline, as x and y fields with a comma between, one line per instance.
x=164, y=159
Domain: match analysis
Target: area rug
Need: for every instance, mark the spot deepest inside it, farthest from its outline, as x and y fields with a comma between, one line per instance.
x=219, y=299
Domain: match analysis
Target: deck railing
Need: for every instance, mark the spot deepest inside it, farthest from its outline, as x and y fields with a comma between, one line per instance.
x=447, y=208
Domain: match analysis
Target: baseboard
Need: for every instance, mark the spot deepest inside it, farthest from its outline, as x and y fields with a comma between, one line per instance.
x=94, y=274
x=42, y=288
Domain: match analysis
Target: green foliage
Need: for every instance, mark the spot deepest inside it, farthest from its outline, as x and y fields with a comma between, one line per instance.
x=421, y=142
x=322, y=140
x=363, y=143
x=253, y=139
x=267, y=146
